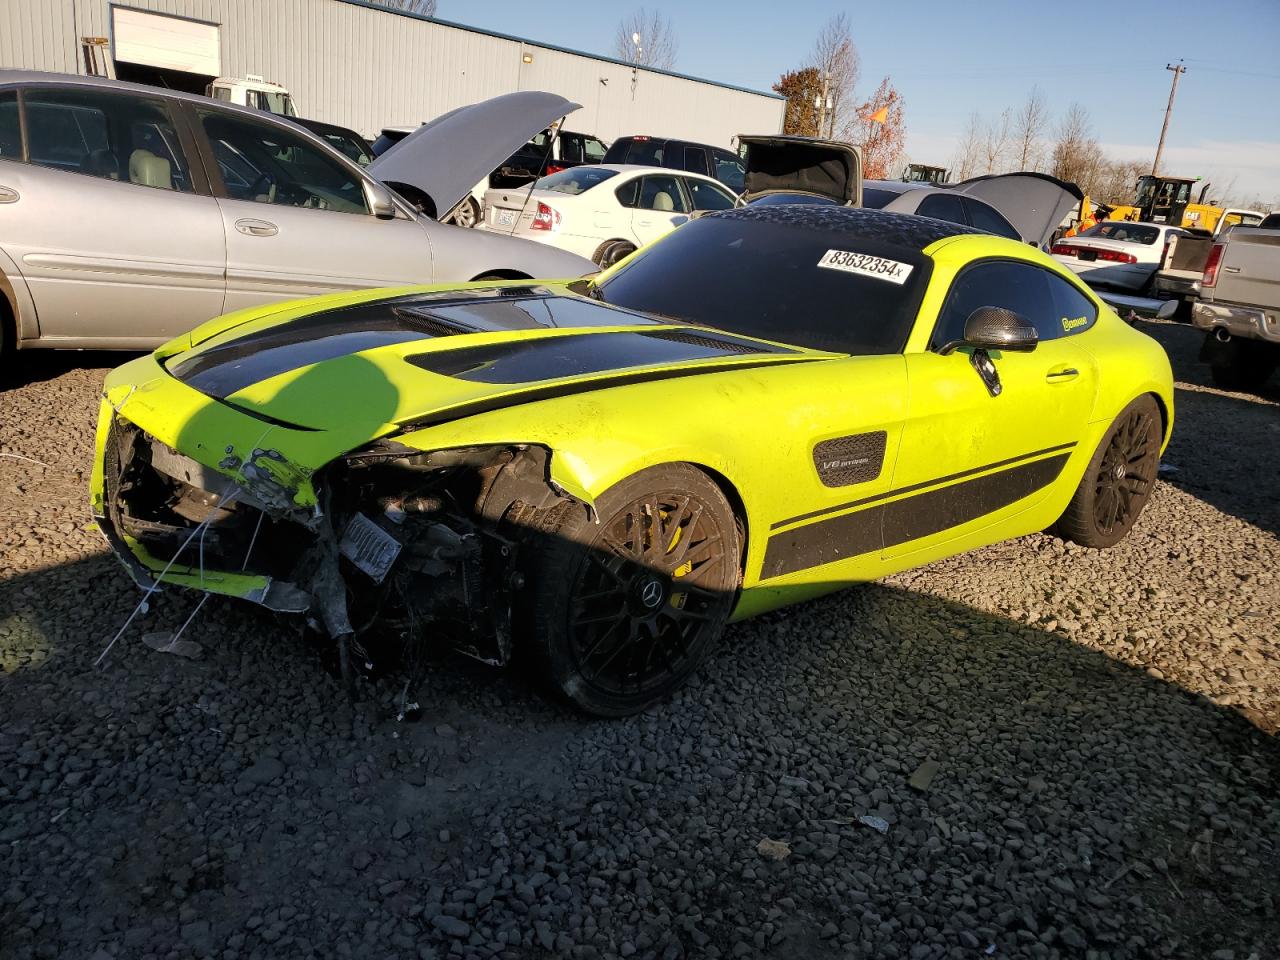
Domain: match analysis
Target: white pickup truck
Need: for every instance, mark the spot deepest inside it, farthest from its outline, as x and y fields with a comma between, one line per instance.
x=1178, y=276
x=1239, y=306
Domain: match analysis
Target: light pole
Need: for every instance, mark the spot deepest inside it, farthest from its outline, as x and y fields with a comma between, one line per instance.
x=1178, y=71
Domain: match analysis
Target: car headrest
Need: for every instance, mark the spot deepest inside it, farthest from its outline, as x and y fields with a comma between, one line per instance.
x=662, y=201
x=147, y=169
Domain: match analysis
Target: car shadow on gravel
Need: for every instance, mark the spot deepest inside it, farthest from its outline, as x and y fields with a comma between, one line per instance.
x=163, y=804
x=38, y=366
x=1211, y=463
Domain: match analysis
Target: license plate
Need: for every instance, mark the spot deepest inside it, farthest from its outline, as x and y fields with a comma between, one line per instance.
x=1089, y=255
x=506, y=218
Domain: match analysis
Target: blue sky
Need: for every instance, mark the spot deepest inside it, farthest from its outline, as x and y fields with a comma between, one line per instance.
x=951, y=58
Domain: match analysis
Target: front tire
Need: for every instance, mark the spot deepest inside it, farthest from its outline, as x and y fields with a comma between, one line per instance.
x=625, y=609
x=612, y=251
x=1119, y=479
x=466, y=214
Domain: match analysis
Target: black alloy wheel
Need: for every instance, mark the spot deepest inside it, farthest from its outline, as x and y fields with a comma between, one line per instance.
x=627, y=608
x=1119, y=479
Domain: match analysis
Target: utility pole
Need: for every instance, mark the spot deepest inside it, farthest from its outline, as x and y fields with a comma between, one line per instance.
x=1178, y=71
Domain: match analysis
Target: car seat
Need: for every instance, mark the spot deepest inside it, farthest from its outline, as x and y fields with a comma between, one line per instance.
x=101, y=163
x=148, y=170
x=662, y=201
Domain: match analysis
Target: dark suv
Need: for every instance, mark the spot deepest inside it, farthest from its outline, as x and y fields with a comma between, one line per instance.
x=724, y=165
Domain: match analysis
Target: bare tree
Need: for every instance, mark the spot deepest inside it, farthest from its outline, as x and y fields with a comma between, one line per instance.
x=965, y=163
x=995, y=142
x=425, y=8
x=1028, y=128
x=1076, y=155
x=646, y=39
x=836, y=59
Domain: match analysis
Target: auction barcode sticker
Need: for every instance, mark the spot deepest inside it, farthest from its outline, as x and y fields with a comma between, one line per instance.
x=867, y=265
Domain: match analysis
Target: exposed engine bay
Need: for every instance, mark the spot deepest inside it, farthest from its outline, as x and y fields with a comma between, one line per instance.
x=402, y=548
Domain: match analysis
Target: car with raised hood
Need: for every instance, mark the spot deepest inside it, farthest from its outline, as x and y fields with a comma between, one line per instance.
x=1118, y=254
x=549, y=151
x=603, y=211
x=130, y=214
x=766, y=405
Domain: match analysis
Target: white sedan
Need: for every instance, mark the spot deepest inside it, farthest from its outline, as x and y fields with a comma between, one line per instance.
x=603, y=211
x=1117, y=253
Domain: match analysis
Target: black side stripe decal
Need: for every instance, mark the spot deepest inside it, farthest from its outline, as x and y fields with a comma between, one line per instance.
x=901, y=521
x=921, y=485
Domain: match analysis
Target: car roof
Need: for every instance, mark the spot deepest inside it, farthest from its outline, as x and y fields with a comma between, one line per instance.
x=901, y=229
x=898, y=186
x=26, y=77
x=639, y=168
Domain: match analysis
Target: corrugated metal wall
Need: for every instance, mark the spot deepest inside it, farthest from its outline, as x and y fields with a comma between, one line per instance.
x=366, y=69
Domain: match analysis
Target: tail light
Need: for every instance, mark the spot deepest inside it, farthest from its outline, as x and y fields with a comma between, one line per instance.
x=553, y=168
x=1211, y=266
x=1115, y=256
x=544, y=218
x=1064, y=249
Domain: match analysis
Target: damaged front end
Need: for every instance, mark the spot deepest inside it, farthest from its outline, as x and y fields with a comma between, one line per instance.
x=399, y=546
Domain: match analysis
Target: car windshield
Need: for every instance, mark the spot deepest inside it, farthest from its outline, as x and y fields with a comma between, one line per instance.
x=575, y=180
x=1120, y=230
x=786, y=282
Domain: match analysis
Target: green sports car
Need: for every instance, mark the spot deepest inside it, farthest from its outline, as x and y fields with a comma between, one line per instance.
x=769, y=404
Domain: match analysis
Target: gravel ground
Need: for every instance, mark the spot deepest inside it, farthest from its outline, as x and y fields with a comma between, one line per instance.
x=1101, y=725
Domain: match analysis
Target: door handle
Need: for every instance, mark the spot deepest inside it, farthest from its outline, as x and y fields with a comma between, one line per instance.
x=8, y=195
x=1062, y=374
x=257, y=228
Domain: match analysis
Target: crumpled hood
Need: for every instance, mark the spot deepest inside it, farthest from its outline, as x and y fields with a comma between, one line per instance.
x=448, y=156
x=431, y=357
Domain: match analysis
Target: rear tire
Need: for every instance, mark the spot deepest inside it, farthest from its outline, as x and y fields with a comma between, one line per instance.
x=610, y=252
x=624, y=610
x=8, y=339
x=1118, y=480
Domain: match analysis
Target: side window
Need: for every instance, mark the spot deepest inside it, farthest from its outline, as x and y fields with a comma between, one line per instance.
x=1019, y=287
x=106, y=135
x=629, y=193
x=222, y=93
x=729, y=170
x=707, y=196
x=593, y=150
x=1075, y=312
x=646, y=153
x=985, y=217
x=942, y=206
x=695, y=160
x=262, y=163
x=571, y=147
x=10, y=126
x=662, y=194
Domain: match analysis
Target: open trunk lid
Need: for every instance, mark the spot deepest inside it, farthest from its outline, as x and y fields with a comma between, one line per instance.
x=788, y=164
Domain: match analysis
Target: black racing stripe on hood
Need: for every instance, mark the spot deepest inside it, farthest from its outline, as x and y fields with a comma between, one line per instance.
x=221, y=370
x=556, y=358
x=556, y=390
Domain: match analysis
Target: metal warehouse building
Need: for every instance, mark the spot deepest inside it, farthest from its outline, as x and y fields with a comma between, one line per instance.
x=352, y=63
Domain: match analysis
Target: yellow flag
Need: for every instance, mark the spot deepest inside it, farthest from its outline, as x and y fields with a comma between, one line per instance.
x=880, y=116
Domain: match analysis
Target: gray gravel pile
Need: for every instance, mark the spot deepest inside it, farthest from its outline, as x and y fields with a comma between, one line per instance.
x=1032, y=751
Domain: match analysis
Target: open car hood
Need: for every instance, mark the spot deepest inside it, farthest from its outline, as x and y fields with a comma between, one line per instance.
x=448, y=156
x=1034, y=203
x=777, y=163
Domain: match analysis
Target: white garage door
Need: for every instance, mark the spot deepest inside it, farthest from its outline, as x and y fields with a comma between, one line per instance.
x=171, y=43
